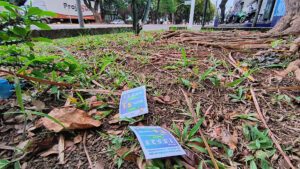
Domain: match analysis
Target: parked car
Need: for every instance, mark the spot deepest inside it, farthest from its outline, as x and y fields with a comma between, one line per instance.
x=117, y=21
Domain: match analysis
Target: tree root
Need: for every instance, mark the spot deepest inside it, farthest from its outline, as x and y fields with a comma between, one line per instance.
x=293, y=67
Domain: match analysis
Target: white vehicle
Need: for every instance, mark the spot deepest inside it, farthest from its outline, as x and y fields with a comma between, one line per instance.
x=65, y=9
x=117, y=21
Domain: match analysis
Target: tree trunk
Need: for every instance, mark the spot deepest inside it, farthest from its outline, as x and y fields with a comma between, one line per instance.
x=94, y=9
x=157, y=9
x=134, y=17
x=146, y=13
x=222, y=7
x=290, y=23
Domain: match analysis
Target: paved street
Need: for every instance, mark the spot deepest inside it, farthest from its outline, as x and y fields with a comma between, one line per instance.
x=149, y=27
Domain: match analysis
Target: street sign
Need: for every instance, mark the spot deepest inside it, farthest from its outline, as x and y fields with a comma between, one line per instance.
x=157, y=142
x=187, y=2
x=133, y=103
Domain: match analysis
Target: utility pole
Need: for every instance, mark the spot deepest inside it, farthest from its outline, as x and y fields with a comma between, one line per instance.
x=80, y=18
x=204, y=13
x=191, y=21
x=257, y=13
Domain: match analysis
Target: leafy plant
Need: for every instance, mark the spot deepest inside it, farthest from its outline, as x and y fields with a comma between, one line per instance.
x=281, y=97
x=185, y=137
x=131, y=120
x=239, y=97
x=276, y=43
x=261, y=144
x=249, y=116
x=116, y=144
x=185, y=82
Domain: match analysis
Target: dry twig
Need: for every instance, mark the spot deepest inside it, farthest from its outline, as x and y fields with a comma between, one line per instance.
x=270, y=132
x=86, y=152
x=200, y=131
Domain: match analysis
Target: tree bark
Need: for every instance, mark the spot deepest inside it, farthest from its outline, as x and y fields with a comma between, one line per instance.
x=290, y=23
x=222, y=7
x=134, y=17
x=94, y=8
x=146, y=13
x=157, y=9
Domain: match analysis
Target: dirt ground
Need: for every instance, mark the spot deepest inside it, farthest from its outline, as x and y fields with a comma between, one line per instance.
x=159, y=63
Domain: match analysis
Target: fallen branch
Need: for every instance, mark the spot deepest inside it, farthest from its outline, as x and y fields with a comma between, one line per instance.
x=36, y=80
x=270, y=132
x=86, y=152
x=200, y=131
x=284, y=88
x=61, y=149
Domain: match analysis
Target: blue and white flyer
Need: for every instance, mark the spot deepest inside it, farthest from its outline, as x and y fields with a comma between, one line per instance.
x=157, y=142
x=133, y=103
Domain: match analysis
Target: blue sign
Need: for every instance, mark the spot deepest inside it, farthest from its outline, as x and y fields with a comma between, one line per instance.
x=133, y=103
x=157, y=142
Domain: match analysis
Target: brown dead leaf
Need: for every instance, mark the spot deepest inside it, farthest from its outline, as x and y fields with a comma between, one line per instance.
x=24, y=165
x=190, y=158
x=39, y=105
x=92, y=100
x=99, y=164
x=71, y=118
x=157, y=99
x=230, y=140
x=141, y=164
x=52, y=150
x=163, y=100
x=167, y=98
x=114, y=132
x=38, y=144
x=77, y=139
x=132, y=157
x=114, y=119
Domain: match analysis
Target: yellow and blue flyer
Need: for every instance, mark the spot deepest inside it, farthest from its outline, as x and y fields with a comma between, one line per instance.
x=157, y=142
x=133, y=103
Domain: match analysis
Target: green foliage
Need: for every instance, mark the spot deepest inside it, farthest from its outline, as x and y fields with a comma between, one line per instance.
x=168, y=6
x=185, y=82
x=186, y=137
x=247, y=116
x=239, y=97
x=282, y=97
x=16, y=44
x=116, y=143
x=261, y=144
x=4, y=163
x=276, y=43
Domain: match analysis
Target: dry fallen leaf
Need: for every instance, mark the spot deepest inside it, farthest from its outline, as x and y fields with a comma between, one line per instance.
x=71, y=118
x=167, y=98
x=77, y=139
x=114, y=119
x=52, y=150
x=99, y=164
x=230, y=140
x=114, y=132
x=39, y=105
x=141, y=164
x=132, y=157
x=38, y=144
x=93, y=102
